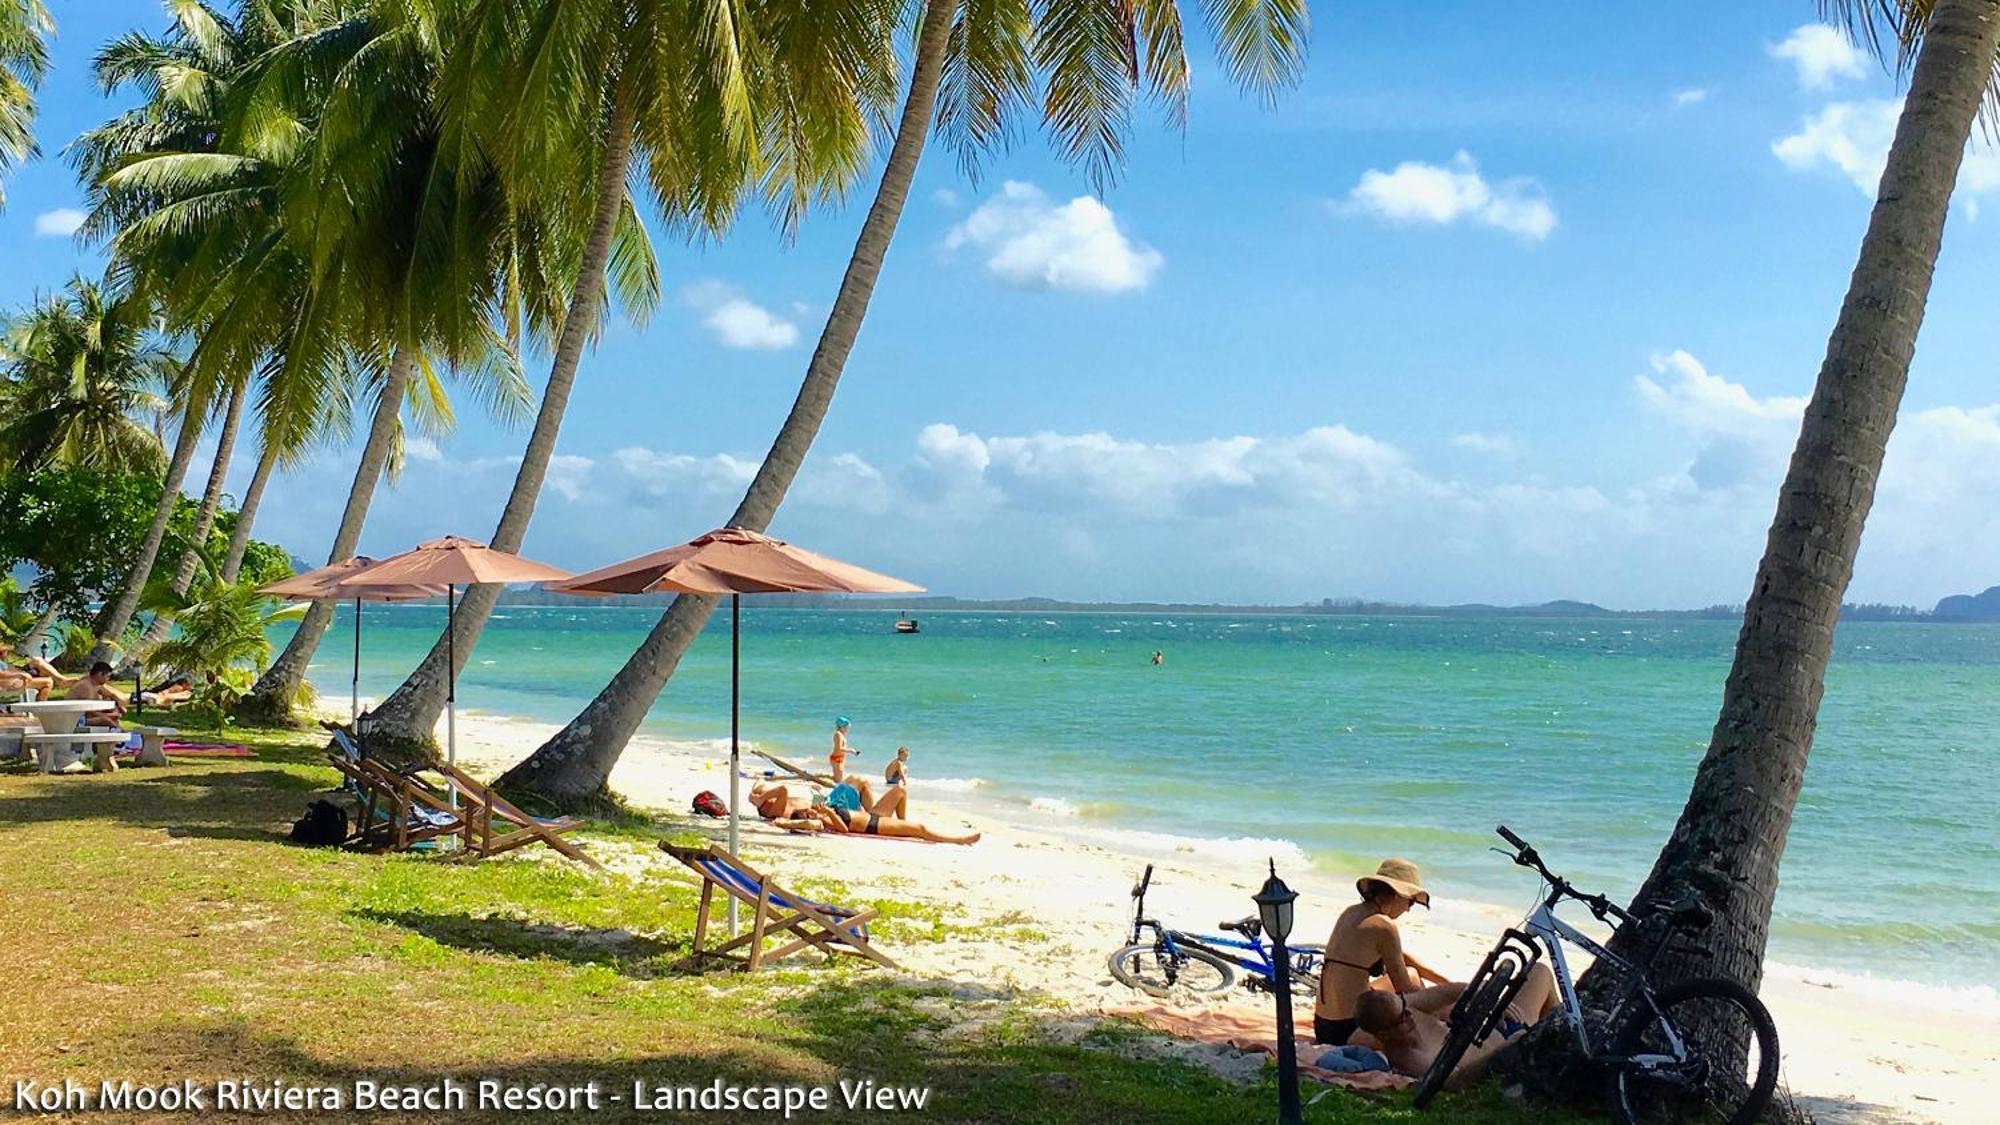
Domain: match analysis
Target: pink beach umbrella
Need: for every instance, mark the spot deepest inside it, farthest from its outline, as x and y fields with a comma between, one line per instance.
x=449, y=562
x=317, y=585
x=733, y=561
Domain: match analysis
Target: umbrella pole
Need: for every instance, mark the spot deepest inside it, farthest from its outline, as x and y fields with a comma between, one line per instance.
x=451, y=682
x=735, y=772
x=354, y=685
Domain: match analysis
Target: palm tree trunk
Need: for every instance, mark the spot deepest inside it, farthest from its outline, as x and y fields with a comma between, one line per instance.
x=112, y=622
x=410, y=713
x=39, y=635
x=246, y=515
x=1731, y=834
x=574, y=766
x=270, y=698
x=211, y=500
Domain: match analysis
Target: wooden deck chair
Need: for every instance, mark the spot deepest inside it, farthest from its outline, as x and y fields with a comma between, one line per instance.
x=797, y=773
x=393, y=810
x=778, y=914
x=495, y=825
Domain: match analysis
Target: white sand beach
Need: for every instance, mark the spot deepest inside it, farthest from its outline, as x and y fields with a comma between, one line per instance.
x=1045, y=899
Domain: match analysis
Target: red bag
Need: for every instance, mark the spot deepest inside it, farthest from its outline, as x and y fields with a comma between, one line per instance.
x=708, y=804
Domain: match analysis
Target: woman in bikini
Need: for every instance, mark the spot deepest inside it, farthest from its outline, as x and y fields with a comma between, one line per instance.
x=829, y=819
x=1365, y=951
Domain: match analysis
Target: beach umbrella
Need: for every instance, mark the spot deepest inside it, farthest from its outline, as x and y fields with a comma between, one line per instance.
x=317, y=585
x=449, y=562
x=734, y=561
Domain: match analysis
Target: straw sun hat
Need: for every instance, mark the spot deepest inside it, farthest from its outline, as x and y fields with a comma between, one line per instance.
x=1399, y=875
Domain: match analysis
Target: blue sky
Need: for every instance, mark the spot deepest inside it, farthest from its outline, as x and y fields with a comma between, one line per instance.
x=1499, y=305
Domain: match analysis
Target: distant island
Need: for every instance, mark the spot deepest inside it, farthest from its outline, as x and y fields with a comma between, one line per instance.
x=1957, y=608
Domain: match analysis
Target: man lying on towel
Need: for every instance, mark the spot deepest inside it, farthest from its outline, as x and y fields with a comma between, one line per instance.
x=1410, y=1035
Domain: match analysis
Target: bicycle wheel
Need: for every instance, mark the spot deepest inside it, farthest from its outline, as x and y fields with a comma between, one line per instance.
x=1727, y=1071
x=1150, y=968
x=1470, y=1016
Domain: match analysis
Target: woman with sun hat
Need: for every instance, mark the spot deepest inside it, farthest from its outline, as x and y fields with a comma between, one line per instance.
x=1366, y=951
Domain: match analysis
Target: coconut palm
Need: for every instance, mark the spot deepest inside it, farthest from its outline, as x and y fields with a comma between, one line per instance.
x=223, y=639
x=465, y=250
x=293, y=243
x=79, y=372
x=974, y=67
x=710, y=101
x=1731, y=834
x=25, y=27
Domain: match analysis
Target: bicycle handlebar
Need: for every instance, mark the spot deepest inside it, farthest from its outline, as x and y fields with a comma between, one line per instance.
x=1526, y=856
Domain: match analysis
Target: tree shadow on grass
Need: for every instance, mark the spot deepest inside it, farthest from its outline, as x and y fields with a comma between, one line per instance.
x=854, y=1032
x=627, y=953
x=216, y=803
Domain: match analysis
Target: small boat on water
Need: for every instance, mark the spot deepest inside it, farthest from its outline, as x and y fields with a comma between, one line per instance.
x=906, y=624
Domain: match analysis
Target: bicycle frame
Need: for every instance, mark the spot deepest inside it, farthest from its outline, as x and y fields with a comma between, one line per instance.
x=1543, y=930
x=1172, y=940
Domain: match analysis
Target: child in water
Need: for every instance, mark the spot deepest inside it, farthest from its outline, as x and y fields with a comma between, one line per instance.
x=841, y=750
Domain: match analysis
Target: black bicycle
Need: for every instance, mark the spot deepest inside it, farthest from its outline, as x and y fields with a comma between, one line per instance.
x=1697, y=1050
x=1206, y=963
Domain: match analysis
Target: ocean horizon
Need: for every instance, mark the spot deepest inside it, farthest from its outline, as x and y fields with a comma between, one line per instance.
x=1332, y=741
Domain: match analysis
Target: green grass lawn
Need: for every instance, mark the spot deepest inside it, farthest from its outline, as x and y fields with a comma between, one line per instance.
x=160, y=926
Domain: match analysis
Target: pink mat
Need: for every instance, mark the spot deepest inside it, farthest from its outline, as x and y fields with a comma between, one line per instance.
x=1254, y=1035
x=199, y=750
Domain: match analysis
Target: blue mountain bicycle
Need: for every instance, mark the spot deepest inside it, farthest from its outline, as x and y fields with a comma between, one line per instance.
x=1175, y=960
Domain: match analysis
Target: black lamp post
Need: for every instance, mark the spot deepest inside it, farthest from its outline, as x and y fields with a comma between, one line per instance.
x=1274, y=908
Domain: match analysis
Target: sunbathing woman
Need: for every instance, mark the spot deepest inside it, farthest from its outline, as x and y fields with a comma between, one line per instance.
x=825, y=818
x=1365, y=951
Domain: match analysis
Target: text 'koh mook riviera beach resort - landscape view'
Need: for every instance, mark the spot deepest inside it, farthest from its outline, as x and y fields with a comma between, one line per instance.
x=1000, y=561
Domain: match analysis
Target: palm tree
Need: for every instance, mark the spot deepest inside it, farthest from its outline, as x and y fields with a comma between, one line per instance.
x=1731, y=834
x=1092, y=59
x=78, y=372
x=211, y=502
x=25, y=27
x=291, y=242
x=711, y=101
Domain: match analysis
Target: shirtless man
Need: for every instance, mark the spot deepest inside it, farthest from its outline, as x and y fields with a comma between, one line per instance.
x=97, y=686
x=825, y=818
x=1409, y=1027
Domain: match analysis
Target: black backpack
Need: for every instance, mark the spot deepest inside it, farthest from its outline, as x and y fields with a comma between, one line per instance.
x=324, y=825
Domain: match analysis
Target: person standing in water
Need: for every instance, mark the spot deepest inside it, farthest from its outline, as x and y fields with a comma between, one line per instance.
x=1159, y=656
x=841, y=749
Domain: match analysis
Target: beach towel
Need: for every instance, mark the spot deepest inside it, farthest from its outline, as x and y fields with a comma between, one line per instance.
x=1258, y=1035
x=198, y=750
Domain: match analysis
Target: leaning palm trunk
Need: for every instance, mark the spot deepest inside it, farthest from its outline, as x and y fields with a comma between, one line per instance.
x=204, y=517
x=410, y=713
x=246, y=514
x=112, y=622
x=1726, y=847
x=270, y=698
x=573, y=766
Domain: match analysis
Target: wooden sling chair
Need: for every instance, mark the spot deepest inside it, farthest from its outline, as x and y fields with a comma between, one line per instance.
x=778, y=914
x=495, y=825
x=393, y=812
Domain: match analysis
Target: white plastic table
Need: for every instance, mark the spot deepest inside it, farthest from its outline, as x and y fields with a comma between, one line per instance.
x=58, y=716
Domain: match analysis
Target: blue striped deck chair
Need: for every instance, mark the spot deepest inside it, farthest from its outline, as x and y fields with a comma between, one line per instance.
x=777, y=915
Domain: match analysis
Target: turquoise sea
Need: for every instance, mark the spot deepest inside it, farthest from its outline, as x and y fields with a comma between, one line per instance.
x=1349, y=737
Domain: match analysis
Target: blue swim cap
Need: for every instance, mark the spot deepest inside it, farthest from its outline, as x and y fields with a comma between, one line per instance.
x=842, y=721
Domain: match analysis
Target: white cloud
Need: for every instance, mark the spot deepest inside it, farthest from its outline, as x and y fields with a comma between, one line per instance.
x=1415, y=192
x=1854, y=137
x=945, y=197
x=1694, y=95
x=59, y=223
x=1494, y=445
x=1822, y=55
x=737, y=321
x=1313, y=511
x=1034, y=243
x=421, y=449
